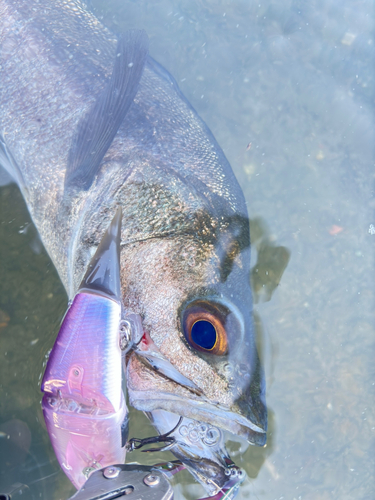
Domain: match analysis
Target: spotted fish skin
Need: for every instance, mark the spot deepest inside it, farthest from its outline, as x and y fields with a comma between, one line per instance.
x=185, y=230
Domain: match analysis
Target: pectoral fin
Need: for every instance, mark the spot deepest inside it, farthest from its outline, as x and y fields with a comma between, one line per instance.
x=99, y=127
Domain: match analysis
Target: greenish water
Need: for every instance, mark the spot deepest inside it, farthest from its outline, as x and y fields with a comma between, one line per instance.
x=296, y=80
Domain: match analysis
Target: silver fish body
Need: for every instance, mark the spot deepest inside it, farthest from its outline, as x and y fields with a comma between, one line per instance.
x=185, y=245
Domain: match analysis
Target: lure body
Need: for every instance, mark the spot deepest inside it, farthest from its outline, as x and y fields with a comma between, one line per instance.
x=83, y=403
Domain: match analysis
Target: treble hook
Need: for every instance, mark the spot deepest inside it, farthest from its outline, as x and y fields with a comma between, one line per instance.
x=136, y=443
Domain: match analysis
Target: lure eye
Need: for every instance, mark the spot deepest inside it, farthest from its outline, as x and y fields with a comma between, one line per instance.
x=205, y=331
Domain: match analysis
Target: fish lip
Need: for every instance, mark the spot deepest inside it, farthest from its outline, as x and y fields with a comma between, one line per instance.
x=214, y=414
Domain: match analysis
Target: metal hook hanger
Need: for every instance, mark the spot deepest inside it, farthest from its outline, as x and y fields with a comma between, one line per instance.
x=136, y=443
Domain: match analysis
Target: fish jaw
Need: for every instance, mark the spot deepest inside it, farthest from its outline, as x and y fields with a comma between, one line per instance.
x=83, y=404
x=150, y=390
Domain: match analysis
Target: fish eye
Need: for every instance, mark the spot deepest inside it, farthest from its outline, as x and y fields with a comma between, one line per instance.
x=204, y=330
x=203, y=333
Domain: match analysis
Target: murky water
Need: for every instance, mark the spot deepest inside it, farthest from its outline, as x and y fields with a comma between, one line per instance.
x=287, y=87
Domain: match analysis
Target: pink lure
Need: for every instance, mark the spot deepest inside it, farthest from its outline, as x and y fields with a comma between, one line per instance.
x=83, y=403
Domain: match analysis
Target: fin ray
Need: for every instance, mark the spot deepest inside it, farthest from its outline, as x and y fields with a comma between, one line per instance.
x=99, y=127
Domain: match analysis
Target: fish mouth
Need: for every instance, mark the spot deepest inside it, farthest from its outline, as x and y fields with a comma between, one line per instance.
x=150, y=390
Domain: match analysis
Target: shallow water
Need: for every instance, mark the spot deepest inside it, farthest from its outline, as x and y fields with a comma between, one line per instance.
x=287, y=88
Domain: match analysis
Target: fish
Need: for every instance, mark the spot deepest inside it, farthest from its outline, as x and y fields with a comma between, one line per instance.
x=90, y=122
x=83, y=403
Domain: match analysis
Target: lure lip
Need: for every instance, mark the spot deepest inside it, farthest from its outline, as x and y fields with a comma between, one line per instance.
x=102, y=276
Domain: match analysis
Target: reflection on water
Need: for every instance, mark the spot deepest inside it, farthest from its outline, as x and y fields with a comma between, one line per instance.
x=271, y=261
x=296, y=80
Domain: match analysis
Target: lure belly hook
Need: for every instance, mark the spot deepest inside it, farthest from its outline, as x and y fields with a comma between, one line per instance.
x=83, y=404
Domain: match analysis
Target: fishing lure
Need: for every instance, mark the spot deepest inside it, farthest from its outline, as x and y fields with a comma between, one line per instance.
x=83, y=404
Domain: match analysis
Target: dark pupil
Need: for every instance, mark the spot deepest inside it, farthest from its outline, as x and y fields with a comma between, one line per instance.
x=203, y=333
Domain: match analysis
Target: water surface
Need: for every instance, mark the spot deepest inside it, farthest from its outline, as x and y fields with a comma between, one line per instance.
x=287, y=88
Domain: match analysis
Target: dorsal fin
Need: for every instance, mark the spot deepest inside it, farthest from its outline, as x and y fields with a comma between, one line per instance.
x=99, y=127
x=103, y=272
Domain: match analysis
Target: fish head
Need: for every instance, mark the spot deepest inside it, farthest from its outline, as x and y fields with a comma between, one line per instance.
x=197, y=314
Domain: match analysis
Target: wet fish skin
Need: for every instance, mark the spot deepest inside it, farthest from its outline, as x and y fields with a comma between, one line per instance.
x=83, y=404
x=185, y=235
